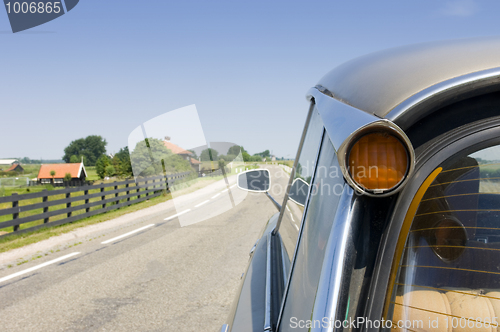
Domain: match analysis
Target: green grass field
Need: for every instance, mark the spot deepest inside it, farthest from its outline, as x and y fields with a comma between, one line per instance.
x=91, y=173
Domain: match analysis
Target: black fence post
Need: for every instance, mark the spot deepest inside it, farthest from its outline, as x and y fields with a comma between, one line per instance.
x=146, y=183
x=103, y=197
x=15, y=215
x=128, y=192
x=116, y=194
x=86, y=193
x=68, y=205
x=45, y=199
x=138, y=189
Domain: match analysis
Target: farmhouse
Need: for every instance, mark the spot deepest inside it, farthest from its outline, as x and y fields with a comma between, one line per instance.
x=77, y=171
x=183, y=153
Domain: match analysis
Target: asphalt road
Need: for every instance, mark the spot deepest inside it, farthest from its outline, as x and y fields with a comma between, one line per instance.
x=161, y=277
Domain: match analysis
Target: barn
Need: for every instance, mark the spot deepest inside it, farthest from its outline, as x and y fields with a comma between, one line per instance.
x=55, y=173
x=15, y=168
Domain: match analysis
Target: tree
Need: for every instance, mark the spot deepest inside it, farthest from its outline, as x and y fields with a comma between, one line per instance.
x=244, y=153
x=74, y=159
x=67, y=177
x=101, y=164
x=91, y=148
x=52, y=173
x=121, y=162
x=246, y=156
x=110, y=170
x=234, y=150
x=264, y=154
x=151, y=157
x=209, y=155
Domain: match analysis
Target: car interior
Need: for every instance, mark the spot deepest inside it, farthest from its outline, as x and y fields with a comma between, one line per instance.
x=449, y=272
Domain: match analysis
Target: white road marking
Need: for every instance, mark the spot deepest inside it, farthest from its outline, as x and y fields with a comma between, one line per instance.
x=224, y=190
x=296, y=227
x=205, y=202
x=288, y=209
x=178, y=214
x=233, y=186
x=127, y=234
x=215, y=196
x=38, y=266
x=291, y=216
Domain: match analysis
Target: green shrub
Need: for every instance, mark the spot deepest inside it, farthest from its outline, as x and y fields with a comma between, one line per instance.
x=110, y=170
x=101, y=165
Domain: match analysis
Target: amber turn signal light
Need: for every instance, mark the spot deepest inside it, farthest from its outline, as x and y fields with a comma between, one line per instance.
x=378, y=162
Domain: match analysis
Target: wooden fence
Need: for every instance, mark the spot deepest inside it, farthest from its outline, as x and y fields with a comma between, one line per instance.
x=80, y=202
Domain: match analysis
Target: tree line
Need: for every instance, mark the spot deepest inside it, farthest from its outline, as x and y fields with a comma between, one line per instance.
x=92, y=150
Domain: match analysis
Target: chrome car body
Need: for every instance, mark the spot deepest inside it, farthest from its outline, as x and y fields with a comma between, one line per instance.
x=423, y=93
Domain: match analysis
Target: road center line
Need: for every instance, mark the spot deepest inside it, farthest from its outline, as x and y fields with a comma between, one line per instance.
x=225, y=190
x=296, y=226
x=202, y=203
x=127, y=234
x=215, y=196
x=233, y=186
x=38, y=266
x=178, y=214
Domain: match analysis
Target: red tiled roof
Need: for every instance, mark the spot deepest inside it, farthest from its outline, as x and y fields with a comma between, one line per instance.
x=194, y=161
x=61, y=170
x=13, y=167
x=176, y=149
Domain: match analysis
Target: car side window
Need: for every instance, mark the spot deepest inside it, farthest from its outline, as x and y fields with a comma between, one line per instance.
x=323, y=201
x=448, y=277
x=294, y=207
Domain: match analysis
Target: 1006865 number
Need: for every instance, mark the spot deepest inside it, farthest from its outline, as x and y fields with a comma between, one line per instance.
x=33, y=7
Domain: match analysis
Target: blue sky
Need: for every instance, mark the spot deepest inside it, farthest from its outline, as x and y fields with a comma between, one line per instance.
x=108, y=66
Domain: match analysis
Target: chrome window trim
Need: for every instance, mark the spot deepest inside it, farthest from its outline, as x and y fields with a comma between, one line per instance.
x=339, y=119
x=330, y=282
x=403, y=114
x=267, y=313
x=283, y=265
x=292, y=263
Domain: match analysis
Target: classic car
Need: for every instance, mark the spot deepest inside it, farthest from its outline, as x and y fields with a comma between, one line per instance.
x=398, y=224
